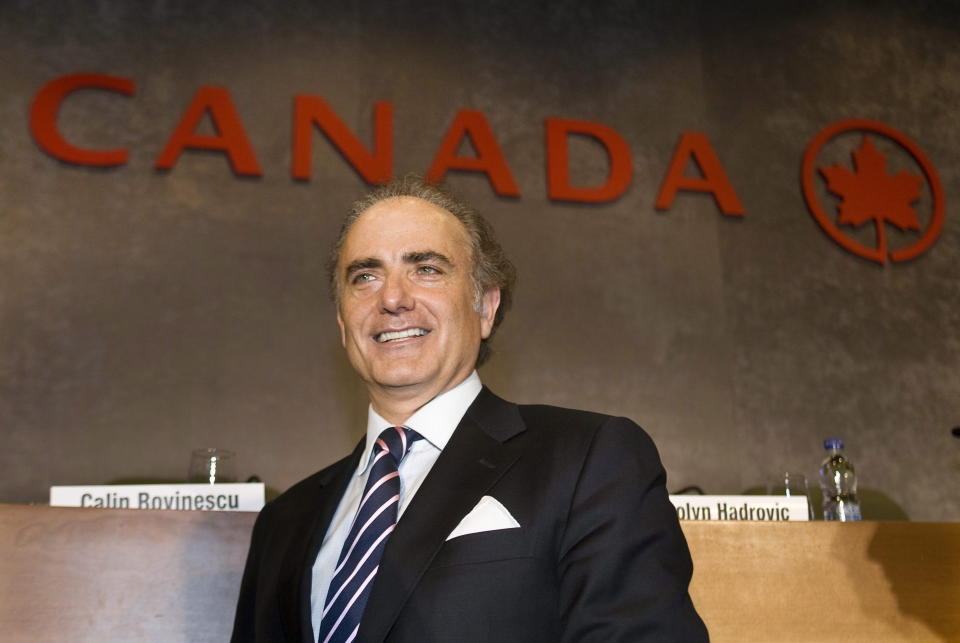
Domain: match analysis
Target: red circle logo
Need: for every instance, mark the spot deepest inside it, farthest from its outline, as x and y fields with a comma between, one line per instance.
x=869, y=191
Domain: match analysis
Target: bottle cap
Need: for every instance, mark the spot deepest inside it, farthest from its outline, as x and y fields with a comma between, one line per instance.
x=832, y=443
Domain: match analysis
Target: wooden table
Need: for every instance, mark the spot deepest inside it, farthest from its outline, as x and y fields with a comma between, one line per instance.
x=167, y=576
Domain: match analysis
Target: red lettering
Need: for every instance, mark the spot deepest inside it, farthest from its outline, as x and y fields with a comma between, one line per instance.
x=713, y=178
x=46, y=107
x=230, y=137
x=558, y=161
x=313, y=110
x=489, y=159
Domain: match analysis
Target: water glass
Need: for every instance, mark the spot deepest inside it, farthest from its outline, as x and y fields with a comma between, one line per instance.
x=210, y=465
x=794, y=484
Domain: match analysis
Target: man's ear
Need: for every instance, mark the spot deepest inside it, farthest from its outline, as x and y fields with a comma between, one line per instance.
x=489, y=304
x=343, y=334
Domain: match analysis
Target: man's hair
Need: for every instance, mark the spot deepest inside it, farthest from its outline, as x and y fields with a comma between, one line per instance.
x=491, y=268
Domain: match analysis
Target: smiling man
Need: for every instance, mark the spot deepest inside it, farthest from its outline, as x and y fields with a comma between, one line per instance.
x=461, y=516
x=409, y=315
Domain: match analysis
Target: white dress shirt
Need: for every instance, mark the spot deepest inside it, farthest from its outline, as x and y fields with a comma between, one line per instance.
x=435, y=421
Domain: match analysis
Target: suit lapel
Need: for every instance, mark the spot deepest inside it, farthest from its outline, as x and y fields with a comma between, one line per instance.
x=308, y=532
x=479, y=452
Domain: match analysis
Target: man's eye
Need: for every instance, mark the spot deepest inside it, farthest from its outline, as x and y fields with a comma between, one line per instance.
x=361, y=277
x=428, y=270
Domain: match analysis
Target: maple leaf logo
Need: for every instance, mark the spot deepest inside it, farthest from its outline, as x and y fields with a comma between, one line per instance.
x=871, y=194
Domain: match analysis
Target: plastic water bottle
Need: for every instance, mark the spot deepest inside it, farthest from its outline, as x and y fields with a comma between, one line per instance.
x=839, y=482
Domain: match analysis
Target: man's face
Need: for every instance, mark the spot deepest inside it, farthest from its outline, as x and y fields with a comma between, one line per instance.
x=407, y=312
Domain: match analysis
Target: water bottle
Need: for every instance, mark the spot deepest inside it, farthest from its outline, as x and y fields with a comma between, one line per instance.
x=839, y=482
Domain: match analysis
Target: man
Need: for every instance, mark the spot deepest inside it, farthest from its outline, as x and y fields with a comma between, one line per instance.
x=516, y=523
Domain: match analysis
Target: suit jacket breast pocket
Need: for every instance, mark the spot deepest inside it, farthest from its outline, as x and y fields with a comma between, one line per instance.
x=485, y=546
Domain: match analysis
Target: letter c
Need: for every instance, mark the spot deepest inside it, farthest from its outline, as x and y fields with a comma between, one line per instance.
x=46, y=107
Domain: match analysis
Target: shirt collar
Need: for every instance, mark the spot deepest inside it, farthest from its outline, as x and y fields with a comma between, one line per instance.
x=435, y=421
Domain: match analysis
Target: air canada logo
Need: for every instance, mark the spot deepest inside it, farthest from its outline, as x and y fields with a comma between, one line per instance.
x=859, y=172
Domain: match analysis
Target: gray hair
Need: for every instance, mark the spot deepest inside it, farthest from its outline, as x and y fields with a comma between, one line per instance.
x=491, y=267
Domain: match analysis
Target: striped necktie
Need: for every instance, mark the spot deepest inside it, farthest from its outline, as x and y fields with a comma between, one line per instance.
x=360, y=558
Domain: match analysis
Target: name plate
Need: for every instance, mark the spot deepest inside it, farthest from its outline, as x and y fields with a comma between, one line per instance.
x=767, y=508
x=227, y=496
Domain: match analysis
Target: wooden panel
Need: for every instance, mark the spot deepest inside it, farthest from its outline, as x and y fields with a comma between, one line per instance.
x=119, y=575
x=166, y=576
x=868, y=581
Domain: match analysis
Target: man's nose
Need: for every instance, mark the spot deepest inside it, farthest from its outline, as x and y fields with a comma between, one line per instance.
x=395, y=295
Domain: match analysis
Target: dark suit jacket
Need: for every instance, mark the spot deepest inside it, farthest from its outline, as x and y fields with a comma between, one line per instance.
x=599, y=555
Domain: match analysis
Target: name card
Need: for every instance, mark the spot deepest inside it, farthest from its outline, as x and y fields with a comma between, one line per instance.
x=227, y=496
x=767, y=508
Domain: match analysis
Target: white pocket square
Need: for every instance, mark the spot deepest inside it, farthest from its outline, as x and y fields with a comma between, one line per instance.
x=488, y=515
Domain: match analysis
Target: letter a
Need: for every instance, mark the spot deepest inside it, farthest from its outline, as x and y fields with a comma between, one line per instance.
x=489, y=159
x=230, y=137
x=713, y=180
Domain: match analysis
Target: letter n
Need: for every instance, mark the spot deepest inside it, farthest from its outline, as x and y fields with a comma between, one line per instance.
x=713, y=178
x=558, y=161
x=313, y=110
x=46, y=108
x=473, y=124
x=230, y=138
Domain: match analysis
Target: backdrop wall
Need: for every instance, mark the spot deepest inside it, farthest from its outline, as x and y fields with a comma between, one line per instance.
x=146, y=312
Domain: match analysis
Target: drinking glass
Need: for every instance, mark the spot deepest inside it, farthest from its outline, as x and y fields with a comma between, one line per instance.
x=792, y=483
x=210, y=465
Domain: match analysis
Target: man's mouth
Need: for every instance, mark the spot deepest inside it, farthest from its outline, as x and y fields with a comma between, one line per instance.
x=396, y=335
